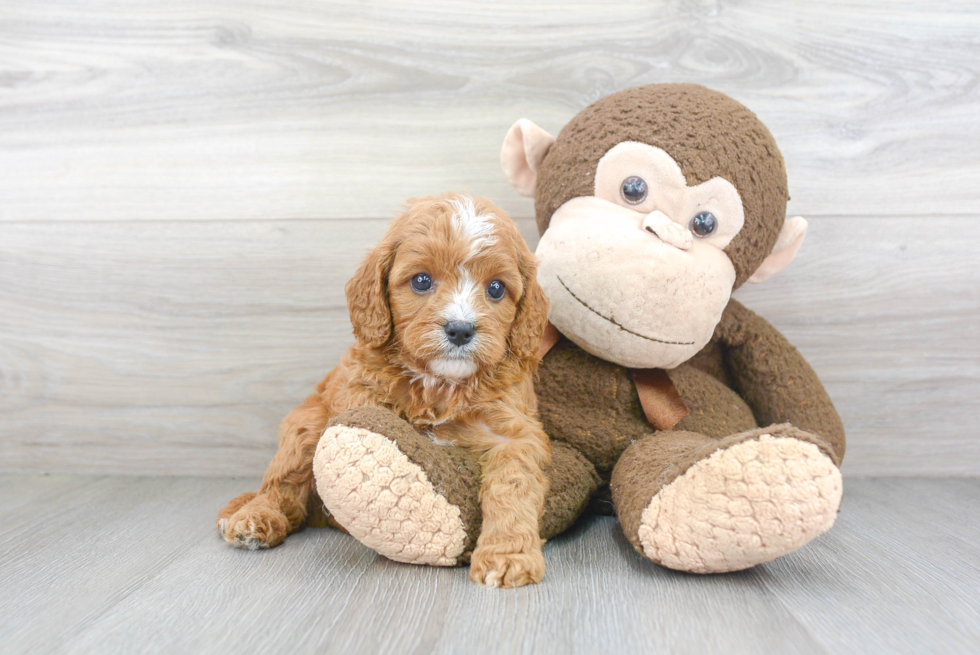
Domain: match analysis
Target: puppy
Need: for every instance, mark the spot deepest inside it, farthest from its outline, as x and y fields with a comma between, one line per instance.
x=448, y=317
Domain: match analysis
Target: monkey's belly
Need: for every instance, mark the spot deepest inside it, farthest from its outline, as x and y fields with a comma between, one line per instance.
x=592, y=404
x=715, y=410
x=589, y=403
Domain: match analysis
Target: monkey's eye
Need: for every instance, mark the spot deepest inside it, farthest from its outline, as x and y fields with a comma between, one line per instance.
x=704, y=224
x=634, y=190
x=421, y=283
x=496, y=290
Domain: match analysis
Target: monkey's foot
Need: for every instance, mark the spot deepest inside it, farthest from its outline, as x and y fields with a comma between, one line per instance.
x=741, y=506
x=400, y=506
x=414, y=501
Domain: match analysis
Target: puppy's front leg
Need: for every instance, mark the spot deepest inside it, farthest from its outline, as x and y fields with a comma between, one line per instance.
x=264, y=518
x=508, y=551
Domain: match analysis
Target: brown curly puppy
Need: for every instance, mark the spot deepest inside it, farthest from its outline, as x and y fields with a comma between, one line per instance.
x=448, y=318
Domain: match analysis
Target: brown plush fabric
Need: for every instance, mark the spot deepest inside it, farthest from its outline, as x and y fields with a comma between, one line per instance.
x=455, y=473
x=711, y=360
x=317, y=515
x=589, y=403
x=774, y=379
x=573, y=480
x=658, y=459
x=715, y=410
x=593, y=406
x=708, y=133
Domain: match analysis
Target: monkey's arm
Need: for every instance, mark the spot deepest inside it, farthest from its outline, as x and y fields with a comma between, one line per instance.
x=773, y=378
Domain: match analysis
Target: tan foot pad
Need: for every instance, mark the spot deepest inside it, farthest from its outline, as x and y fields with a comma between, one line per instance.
x=384, y=500
x=742, y=506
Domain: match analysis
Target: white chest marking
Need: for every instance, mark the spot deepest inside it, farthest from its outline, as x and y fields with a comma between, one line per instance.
x=452, y=369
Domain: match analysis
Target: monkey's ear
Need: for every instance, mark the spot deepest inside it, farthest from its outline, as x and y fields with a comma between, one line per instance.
x=787, y=244
x=524, y=149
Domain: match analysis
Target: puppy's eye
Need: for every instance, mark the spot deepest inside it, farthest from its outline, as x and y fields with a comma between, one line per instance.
x=634, y=190
x=496, y=290
x=704, y=224
x=421, y=283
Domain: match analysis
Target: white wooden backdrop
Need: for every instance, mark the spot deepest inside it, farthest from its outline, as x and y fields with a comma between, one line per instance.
x=185, y=186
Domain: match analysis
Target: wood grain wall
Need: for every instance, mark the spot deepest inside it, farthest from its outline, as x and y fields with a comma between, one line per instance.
x=185, y=187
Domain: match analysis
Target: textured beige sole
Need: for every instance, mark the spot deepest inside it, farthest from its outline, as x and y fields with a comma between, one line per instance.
x=746, y=505
x=384, y=500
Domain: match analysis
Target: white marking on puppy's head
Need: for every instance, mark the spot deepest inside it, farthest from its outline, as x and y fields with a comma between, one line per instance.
x=461, y=305
x=478, y=228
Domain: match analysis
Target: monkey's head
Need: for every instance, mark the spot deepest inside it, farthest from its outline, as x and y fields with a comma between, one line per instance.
x=653, y=205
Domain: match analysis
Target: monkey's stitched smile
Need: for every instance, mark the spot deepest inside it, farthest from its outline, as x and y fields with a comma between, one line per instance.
x=620, y=325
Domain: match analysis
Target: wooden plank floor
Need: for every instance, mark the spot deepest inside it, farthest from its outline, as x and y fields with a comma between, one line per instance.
x=128, y=564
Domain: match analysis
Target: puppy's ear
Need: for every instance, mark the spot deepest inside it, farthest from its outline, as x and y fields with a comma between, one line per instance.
x=532, y=310
x=367, y=296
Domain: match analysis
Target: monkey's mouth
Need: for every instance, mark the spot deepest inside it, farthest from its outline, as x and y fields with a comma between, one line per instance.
x=620, y=325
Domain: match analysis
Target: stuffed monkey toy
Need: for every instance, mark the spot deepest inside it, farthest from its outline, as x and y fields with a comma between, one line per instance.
x=720, y=445
x=670, y=405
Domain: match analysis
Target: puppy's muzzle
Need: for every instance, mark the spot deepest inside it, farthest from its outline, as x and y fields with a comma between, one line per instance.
x=460, y=333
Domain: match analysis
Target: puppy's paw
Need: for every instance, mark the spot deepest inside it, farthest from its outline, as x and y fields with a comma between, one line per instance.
x=228, y=510
x=257, y=524
x=491, y=568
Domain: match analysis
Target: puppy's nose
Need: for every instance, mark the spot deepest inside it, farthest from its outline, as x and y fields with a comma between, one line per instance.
x=460, y=332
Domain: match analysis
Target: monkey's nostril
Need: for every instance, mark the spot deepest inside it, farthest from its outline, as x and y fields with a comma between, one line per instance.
x=460, y=333
x=673, y=234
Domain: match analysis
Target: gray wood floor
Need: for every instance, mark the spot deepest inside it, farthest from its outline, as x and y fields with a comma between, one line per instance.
x=129, y=564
